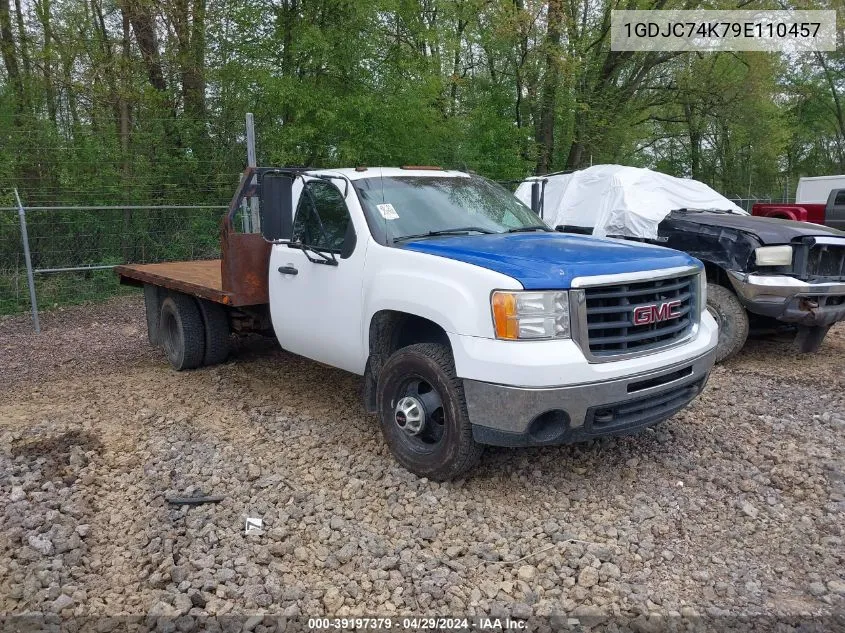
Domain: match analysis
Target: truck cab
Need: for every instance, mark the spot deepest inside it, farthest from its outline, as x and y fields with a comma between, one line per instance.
x=470, y=320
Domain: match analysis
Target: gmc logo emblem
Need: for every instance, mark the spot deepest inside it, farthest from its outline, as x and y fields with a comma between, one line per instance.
x=657, y=312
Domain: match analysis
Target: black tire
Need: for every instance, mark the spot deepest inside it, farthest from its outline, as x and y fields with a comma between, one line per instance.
x=732, y=318
x=218, y=333
x=182, y=332
x=444, y=449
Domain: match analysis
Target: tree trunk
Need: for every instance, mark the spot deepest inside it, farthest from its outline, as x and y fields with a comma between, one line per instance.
x=289, y=19
x=23, y=40
x=67, y=74
x=195, y=89
x=42, y=10
x=694, y=142
x=142, y=19
x=576, y=154
x=143, y=23
x=545, y=132
x=189, y=24
x=7, y=49
x=126, y=239
x=456, y=66
x=837, y=108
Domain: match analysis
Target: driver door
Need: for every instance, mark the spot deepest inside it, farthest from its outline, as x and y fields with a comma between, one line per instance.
x=316, y=280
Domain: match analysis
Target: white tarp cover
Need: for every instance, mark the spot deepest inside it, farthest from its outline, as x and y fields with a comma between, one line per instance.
x=619, y=200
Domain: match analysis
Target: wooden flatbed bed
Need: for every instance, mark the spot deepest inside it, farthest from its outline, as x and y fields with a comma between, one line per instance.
x=200, y=278
x=238, y=279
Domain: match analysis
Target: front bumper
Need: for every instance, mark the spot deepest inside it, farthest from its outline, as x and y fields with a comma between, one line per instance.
x=520, y=416
x=791, y=300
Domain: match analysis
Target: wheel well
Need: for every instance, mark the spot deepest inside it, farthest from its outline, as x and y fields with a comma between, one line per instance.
x=717, y=275
x=391, y=330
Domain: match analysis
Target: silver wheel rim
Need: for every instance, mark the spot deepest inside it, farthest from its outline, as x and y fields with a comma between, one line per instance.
x=171, y=335
x=419, y=415
x=409, y=415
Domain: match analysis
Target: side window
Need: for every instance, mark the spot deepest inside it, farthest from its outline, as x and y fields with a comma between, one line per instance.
x=330, y=209
x=839, y=201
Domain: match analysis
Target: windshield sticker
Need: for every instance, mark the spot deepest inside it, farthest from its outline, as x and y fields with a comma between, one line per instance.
x=387, y=211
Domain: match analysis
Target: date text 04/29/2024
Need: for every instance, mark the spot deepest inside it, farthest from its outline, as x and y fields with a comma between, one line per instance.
x=416, y=624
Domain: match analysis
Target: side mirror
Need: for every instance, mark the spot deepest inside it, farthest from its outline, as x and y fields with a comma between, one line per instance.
x=535, y=198
x=275, y=195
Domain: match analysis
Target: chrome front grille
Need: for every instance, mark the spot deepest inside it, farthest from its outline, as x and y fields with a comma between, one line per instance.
x=637, y=316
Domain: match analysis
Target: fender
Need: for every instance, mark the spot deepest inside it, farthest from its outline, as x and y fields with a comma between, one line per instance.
x=453, y=294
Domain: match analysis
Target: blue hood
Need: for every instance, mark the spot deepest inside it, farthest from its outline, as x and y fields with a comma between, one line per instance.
x=551, y=260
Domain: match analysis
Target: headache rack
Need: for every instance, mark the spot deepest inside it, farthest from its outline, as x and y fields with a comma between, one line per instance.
x=604, y=308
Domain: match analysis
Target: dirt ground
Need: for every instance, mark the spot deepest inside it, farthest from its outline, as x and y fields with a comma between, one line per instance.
x=735, y=507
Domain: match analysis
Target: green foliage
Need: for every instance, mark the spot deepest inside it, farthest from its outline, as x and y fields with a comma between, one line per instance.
x=94, y=113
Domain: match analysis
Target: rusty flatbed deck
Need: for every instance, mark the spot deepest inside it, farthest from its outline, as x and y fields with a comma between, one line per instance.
x=201, y=278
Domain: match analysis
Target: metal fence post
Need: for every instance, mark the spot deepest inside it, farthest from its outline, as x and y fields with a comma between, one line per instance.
x=29, y=277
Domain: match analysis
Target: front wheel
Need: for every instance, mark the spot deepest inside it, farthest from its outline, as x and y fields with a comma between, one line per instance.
x=732, y=319
x=423, y=413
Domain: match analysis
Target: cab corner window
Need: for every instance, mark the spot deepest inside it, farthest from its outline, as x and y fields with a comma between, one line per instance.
x=321, y=203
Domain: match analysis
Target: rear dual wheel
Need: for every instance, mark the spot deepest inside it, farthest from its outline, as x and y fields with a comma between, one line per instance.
x=193, y=332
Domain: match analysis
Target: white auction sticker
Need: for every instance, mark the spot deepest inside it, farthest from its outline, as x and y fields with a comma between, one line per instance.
x=387, y=211
x=711, y=30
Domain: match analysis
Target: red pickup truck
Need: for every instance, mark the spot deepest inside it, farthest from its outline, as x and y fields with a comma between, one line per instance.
x=830, y=213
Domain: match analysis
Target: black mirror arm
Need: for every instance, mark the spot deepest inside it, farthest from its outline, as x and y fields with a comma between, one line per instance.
x=307, y=250
x=333, y=177
x=324, y=259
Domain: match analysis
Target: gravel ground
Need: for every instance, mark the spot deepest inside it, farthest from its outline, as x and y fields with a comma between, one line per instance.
x=736, y=506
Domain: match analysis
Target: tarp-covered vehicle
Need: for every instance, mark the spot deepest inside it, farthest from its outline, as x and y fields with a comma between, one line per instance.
x=761, y=272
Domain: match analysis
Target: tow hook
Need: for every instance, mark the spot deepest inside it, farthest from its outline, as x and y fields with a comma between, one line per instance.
x=808, y=304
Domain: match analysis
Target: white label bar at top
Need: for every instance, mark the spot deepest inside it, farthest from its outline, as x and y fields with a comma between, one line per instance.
x=741, y=30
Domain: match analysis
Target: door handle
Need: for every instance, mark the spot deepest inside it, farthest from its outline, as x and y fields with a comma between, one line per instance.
x=288, y=270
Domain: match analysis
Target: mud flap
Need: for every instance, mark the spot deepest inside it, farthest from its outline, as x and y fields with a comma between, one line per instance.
x=370, y=384
x=152, y=306
x=810, y=337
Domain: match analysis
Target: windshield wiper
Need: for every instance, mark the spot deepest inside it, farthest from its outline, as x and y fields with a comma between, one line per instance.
x=526, y=229
x=464, y=230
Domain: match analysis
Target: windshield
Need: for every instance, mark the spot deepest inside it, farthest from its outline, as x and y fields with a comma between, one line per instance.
x=414, y=206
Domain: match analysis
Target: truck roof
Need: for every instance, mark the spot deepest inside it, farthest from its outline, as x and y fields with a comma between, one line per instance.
x=811, y=178
x=359, y=173
x=816, y=189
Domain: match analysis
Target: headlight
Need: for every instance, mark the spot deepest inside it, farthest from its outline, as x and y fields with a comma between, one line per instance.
x=530, y=315
x=773, y=255
x=702, y=290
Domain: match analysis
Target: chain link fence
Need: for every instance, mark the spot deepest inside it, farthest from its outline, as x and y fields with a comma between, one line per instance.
x=74, y=248
x=747, y=203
